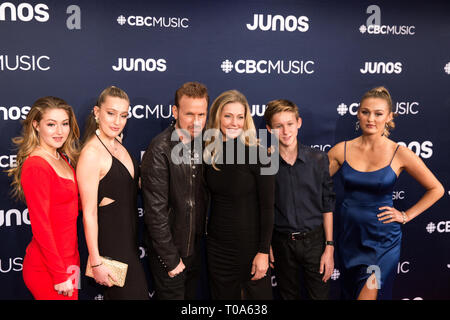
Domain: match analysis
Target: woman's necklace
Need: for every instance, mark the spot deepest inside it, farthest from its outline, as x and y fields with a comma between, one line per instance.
x=51, y=155
x=114, y=149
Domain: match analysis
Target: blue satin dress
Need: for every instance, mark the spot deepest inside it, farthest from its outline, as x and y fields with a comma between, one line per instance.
x=365, y=244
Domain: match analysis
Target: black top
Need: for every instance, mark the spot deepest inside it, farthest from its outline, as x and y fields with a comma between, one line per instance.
x=303, y=192
x=242, y=203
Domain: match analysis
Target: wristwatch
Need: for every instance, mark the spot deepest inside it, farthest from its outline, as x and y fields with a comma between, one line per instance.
x=329, y=243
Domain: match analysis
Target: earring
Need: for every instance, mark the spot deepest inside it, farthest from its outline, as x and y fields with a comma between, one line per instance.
x=97, y=132
x=357, y=125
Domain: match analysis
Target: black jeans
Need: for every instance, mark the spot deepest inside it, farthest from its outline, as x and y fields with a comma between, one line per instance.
x=183, y=286
x=292, y=257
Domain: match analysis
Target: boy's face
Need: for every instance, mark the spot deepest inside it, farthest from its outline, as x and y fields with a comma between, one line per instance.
x=285, y=126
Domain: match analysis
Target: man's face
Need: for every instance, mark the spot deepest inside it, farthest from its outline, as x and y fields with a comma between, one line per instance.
x=191, y=115
x=285, y=126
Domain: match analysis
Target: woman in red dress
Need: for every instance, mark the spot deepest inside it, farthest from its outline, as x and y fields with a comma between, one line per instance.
x=46, y=181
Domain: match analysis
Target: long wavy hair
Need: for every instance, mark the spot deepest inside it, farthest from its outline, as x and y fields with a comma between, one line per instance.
x=249, y=131
x=29, y=139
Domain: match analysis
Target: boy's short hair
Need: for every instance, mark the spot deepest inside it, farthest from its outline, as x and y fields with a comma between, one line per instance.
x=277, y=106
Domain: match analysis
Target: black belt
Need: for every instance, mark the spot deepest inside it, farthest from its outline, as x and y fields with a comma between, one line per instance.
x=300, y=235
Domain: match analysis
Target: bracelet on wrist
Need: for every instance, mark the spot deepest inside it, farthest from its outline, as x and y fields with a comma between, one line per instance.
x=404, y=217
x=97, y=265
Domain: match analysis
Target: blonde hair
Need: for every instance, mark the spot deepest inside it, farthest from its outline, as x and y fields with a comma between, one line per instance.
x=248, y=138
x=277, y=106
x=382, y=93
x=91, y=124
x=29, y=139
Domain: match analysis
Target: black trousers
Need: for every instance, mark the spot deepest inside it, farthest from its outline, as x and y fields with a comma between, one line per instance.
x=183, y=286
x=294, y=257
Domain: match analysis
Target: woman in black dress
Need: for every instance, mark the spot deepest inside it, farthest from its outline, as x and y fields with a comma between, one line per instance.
x=108, y=180
x=241, y=221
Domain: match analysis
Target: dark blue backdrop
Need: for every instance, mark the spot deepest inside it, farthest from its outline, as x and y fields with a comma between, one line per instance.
x=313, y=53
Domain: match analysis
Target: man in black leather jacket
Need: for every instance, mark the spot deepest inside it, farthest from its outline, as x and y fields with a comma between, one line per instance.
x=175, y=196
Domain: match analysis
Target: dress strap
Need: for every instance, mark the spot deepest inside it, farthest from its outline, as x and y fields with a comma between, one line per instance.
x=394, y=154
x=104, y=145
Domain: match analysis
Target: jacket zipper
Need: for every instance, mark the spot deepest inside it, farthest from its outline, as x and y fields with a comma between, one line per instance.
x=190, y=206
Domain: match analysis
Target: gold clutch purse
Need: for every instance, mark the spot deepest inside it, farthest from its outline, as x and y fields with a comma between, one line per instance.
x=119, y=269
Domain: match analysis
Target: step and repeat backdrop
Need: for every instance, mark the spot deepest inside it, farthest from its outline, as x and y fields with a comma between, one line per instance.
x=323, y=55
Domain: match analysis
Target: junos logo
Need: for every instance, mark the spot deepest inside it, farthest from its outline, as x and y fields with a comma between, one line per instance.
x=373, y=25
x=268, y=66
x=14, y=112
x=441, y=227
x=140, y=64
x=24, y=12
x=161, y=22
x=24, y=63
x=6, y=217
x=381, y=68
x=423, y=150
x=279, y=23
x=8, y=161
x=11, y=264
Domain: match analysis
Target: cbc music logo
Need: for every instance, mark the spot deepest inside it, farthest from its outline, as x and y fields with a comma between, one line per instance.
x=24, y=12
x=155, y=22
x=321, y=147
x=447, y=68
x=441, y=227
x=6, y=218
x=8, y=161
x=140, y=64
x=268, y=66
x=158, y=111
x=13, y=113
x=381, y=68
x=398, y=195
x=336, y=274
x=279, y=23
x=373, y=25
x=11, y=264
x=401, y=108
x=403, y=267
x=24, y=63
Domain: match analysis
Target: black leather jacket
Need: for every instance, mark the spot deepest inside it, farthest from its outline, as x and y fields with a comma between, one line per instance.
x=175, y=200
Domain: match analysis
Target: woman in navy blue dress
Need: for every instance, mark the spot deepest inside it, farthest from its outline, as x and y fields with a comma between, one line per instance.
x=369, y=237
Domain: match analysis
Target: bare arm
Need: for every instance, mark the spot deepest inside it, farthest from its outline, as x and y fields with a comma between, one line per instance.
x=336, y=157
x=419, y=171
x=88, y=173
x=88, y=178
